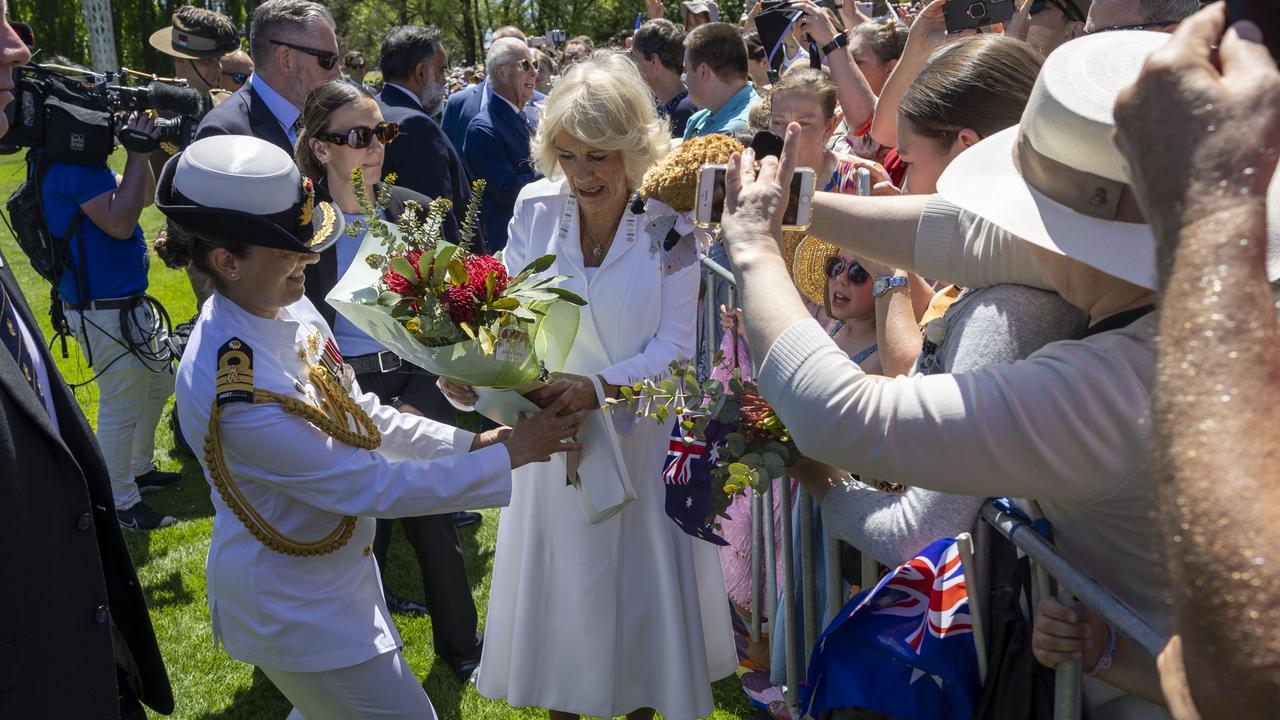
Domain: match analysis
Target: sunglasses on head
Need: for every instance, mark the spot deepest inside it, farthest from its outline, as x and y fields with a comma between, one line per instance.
x=1134, y=26
x=238, y=77
x=527, y=65
x=359, y=138
x=1068, y=9
x=836, y=265
x=326, y=59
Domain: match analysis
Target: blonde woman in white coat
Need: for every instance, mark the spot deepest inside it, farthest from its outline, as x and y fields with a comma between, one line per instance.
x=628, y=615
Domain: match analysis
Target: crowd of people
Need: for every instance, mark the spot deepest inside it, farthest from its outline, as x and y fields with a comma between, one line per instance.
x=1057, y=287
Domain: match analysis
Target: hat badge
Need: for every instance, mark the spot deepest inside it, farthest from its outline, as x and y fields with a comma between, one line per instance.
x=308, y=205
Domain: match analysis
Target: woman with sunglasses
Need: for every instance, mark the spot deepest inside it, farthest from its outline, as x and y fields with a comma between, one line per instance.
x=300, y=458
x=343, y=129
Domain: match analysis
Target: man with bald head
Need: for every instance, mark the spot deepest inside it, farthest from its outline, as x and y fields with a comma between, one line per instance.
x=1155, y=15
x=294, y=51
x=464, y=105
x=496, y=144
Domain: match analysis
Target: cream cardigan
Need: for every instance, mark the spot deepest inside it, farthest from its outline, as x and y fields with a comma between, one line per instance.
x=1070, y=426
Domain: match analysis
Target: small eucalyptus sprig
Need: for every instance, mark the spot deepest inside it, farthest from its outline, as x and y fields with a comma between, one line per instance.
x=758, y=447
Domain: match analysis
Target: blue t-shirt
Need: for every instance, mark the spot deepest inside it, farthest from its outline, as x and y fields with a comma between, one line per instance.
x=116, y=268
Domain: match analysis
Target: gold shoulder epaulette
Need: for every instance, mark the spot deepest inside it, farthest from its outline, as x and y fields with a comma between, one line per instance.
x=235, y=373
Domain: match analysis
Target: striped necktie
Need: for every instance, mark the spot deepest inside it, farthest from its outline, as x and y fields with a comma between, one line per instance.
x=11, y=339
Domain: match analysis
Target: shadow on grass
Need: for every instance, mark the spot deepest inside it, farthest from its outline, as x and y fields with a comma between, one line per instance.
x=169, y=591
x=260, y=700
x=445, y=691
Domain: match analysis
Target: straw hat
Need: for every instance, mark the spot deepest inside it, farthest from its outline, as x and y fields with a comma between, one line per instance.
x=245, y=189
x=808, y=268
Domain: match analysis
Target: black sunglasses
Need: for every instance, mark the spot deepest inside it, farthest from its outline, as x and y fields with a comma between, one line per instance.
x=1069, y=10
x=1135, y=26
x=359, y=138
x=836, y=265
x=239, y=78
x=326, y=59
x=359, y=65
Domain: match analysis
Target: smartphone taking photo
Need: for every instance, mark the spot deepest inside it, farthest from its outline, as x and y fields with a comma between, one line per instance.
x=709, y=208
x=975, y=14
x=1263, y=13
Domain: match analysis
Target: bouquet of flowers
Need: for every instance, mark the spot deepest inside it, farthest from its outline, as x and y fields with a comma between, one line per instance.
x=741, y=434
x=451, y=311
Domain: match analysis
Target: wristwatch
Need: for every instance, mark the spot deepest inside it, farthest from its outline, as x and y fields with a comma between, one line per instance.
x=883, y=285
x=841, y=40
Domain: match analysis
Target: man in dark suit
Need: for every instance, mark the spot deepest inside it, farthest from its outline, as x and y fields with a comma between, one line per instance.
x=413, y=60
x=294, y=51
x=75, y=637
x=465, y=104
x=496, y=148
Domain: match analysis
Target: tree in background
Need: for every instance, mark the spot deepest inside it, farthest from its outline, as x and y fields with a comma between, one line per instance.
x=59, y=24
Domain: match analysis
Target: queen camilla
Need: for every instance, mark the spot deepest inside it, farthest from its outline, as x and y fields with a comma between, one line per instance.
x=626, y=615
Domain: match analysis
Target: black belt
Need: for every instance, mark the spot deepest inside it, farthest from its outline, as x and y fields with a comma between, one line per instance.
x=120, y=304
x=382, y=362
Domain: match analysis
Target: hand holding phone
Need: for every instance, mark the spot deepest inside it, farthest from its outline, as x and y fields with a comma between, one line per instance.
x=709, y=206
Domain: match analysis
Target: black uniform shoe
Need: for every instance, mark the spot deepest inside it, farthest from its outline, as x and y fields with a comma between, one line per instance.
x=397, y=604
x=465, y=670
x=466, y=519
x=142, y=517
x=155, y=480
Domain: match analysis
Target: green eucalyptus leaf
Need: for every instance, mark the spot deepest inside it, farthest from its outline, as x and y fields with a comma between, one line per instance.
x=568, y=296
x=404, y=268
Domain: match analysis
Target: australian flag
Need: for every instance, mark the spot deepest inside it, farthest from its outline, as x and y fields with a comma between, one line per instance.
x=906, y=648
x=687, y=474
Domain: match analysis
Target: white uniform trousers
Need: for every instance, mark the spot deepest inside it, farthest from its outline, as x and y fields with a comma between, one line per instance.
x=131, y=396
x=382, y=688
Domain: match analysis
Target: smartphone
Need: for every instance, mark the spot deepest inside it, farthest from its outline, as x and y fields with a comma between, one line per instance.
x=972, y=14
x=766, y=143
x=1263, y=13
x=864, y=182
x=710, y=198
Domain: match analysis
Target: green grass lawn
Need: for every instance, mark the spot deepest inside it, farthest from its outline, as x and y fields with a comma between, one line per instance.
x=170, y=562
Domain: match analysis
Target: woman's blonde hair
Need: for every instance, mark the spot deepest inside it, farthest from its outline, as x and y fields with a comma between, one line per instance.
x=603, y=102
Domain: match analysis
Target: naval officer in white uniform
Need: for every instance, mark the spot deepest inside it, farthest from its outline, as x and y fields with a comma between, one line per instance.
x=301, y=461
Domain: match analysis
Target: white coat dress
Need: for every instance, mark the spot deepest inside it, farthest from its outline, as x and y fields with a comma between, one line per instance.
x=604, y=619
x=311, y=614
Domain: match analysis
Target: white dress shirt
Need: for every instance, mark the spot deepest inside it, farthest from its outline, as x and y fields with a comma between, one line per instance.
x=283, y=110
x=308, y=614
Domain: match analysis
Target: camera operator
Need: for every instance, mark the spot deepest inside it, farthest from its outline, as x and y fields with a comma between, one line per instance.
x=118, y=328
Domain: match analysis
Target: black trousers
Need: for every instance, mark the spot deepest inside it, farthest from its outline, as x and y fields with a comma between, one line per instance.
x=433, y=537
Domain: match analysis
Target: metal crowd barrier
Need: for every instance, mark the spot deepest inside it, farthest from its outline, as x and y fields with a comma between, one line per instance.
x=1074, y=585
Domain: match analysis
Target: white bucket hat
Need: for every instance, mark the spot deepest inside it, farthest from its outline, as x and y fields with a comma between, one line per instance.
x=1057, y=180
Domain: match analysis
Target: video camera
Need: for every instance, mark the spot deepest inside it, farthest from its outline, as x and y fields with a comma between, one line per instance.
x=72, y=116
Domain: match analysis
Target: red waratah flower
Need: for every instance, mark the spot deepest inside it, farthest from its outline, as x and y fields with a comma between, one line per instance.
x=461, y=303
x=399, y=284
x=480, y=267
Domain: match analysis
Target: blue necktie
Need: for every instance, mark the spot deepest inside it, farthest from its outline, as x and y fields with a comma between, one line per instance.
x=10, y=338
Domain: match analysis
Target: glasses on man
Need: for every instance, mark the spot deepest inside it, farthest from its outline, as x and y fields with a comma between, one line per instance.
x=238, y=78
x=326, y=59
x=1134, y=26
x=359, y=138
x=836, y=265
x=527, y=65
x=1068, y=9
x=355, y=65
